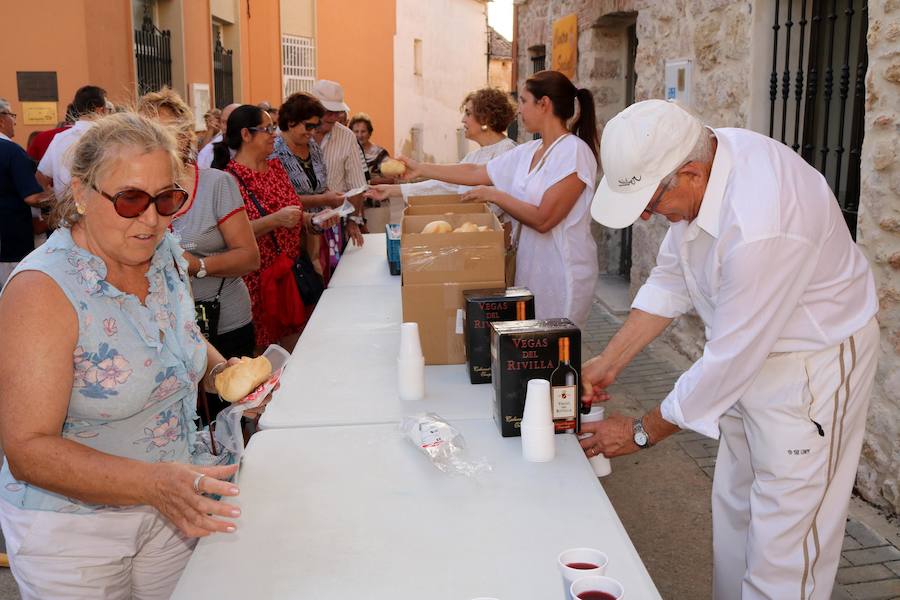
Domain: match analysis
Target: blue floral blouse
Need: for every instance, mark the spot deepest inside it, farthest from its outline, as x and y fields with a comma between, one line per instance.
x=136, y=366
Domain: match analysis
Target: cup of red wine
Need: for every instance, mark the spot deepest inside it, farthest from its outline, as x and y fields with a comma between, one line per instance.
x=597, y=587
x=577, y=563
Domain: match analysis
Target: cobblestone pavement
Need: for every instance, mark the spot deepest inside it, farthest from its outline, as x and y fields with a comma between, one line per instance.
x=870, y=561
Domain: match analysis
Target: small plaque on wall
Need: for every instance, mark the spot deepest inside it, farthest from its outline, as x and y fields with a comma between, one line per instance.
x=39, y=113
x=37, y=86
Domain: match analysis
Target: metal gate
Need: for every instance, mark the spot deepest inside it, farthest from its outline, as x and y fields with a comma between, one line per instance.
x=223, y=74
x=821, y=67
x=153, y=54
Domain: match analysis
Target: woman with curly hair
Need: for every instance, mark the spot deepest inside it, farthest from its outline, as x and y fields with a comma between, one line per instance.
x=486, y=115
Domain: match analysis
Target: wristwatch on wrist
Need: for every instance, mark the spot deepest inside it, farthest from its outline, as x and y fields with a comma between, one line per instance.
x=201, y=273
x=358, y=220
x=640, y=436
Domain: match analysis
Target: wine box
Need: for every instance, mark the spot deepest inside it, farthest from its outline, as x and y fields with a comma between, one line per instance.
x=482, y=308
x=524, y=350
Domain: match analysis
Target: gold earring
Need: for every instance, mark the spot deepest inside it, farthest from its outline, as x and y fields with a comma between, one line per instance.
x=79, y=209
x=484, y=127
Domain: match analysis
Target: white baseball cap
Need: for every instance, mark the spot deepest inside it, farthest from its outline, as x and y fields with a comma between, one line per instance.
x=640, y=146
x=331, y=95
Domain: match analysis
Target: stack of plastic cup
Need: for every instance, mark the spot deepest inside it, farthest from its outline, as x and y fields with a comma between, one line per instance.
x=538, y=440
x=600, y=463
x=410, y=364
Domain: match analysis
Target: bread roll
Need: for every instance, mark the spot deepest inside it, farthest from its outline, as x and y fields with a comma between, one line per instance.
x=392, y=168
x=466, y=228
x=438, y=227
x=483, y=228
x=238, y=380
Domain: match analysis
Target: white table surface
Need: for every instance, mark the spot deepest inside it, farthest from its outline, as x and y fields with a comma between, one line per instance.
x=357, y=310
x=359, y=512
x=365, y=266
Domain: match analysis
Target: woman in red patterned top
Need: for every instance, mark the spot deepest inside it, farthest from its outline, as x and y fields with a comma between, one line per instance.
x=273, y=207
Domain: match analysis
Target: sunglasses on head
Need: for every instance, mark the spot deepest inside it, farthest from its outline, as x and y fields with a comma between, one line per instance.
x=132, y=203
x=270, y=129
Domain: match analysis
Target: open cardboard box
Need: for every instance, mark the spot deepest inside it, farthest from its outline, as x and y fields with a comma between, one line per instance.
x=452, y=257
x=437, y=199
x=447, y=209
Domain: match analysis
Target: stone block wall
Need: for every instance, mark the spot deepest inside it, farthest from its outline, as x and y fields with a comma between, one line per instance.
x=718, y=36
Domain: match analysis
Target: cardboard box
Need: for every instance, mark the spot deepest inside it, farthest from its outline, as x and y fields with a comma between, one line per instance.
x=523, y=350
x=482, y=308
x=392, y=235
x=438, y=199
x=442, y=209
x=438, y=309
x=452, y=257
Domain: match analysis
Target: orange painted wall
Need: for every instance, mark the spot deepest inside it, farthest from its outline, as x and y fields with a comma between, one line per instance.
x=90, y=43
x=261, y=58
x=355, y=47
x=197, y=45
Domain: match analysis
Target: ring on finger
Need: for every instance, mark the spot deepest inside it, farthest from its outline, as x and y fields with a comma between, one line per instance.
x=197, y=481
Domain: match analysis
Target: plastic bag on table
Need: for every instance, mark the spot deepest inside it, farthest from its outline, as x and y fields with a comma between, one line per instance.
x=442, y=443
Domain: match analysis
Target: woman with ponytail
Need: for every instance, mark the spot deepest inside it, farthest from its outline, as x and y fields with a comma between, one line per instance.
x=546, y=186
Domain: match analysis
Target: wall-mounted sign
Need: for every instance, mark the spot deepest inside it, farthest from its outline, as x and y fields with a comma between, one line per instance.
x=565, y=45
x=39, y=113
x=199, y=104
x=37, y=86
x=679, y=80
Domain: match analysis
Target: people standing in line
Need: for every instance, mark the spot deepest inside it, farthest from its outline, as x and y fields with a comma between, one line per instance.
x=759, y=248
x=205, y=154
x=273, y=207
x=546, y=186
x=215, y=232
x=19, y=193
x=487, y=114
x=101, y=489
x=213, y=121
x=88, y=105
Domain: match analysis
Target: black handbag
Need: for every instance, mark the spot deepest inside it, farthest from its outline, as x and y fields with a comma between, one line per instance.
x=208, y=313
x=309, y=283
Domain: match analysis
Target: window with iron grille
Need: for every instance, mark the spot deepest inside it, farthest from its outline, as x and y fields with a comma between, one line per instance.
x=538, y=59
x=817, y=89
x=153, y=54
x=223, y=71
x=298, y=60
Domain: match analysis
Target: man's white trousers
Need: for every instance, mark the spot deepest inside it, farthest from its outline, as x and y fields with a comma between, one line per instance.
x=787, y=461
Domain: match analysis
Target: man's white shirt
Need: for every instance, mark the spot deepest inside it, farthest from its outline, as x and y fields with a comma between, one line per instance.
x=205, y=156
x=768, y=264
x=57, y=161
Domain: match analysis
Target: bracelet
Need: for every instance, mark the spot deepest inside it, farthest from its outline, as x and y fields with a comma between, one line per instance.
x=211, y=376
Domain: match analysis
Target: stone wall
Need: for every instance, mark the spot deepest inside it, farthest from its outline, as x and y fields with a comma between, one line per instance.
x=718, y=35
x=878, y=233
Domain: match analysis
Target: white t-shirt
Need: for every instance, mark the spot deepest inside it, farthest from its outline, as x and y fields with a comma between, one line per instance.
x=57, y=161
x=768, y=264
x=560, y=266
x=205, y=156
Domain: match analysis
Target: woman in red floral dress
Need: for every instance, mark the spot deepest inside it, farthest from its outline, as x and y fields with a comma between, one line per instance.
x=250, y=132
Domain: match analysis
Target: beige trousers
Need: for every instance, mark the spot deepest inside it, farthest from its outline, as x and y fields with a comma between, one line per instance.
x=787, y=461
x=110, y=554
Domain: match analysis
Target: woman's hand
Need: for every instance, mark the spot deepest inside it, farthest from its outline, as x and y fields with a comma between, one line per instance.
x=311, y=226
x=413, y=169
x=171, y=491
x=193, y=263
x=482, y=193
x=613, y=436
x=288, y=217
x=596, y=376
x=332, y=199
x=355, y=234
x=379, y=192
x=257, y=411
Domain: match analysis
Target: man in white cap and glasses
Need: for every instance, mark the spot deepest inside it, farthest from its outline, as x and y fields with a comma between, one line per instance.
x=345, y=163
x=759, y=248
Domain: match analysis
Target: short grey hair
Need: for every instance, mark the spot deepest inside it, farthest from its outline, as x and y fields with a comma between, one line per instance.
x=4, y=104
x=702, y=152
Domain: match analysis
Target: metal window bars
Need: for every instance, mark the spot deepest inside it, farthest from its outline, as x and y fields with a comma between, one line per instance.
x=298, y=59
x=153, y=55
x=223, y=73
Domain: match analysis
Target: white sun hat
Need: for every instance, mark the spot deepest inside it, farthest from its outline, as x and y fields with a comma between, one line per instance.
x=331, y=95
x=640, y=146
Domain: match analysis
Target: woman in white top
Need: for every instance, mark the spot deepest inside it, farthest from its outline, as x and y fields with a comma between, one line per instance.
x=486, y=115
x=546, y=185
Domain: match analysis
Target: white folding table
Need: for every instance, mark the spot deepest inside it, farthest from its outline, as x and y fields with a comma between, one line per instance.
x=360, y=512
x=367, y=265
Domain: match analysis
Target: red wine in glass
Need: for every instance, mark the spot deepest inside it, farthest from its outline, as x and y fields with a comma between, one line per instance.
x=582, y=566
x=592, y=595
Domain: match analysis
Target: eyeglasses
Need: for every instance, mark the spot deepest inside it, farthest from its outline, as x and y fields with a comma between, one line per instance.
x=11, y=114
x=132, y=203
x=311, y=126
x=270, y=129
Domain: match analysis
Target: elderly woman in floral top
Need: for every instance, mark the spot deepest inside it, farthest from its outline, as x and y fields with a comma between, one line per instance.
x=103, y=488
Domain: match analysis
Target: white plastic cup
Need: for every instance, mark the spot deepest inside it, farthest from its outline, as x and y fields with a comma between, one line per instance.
x=411, y=378
x=537, y=411
x=538, y=436
x=583, y=556
x=597, y=583
x=410, y=345
x=600, y=463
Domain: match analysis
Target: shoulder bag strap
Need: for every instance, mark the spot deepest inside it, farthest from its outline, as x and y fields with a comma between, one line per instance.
x=256, y=203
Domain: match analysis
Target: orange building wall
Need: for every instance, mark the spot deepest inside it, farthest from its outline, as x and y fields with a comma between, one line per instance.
x=79, y=48
x=197, y=46
x=261, y=59
x=355, y=47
